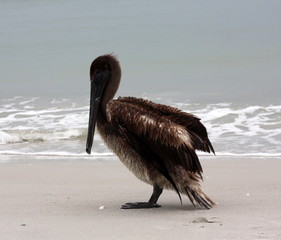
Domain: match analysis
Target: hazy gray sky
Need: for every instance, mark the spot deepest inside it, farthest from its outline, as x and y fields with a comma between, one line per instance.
x=214, y=49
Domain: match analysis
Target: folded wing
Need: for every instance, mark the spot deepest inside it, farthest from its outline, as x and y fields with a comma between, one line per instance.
x=163, y=134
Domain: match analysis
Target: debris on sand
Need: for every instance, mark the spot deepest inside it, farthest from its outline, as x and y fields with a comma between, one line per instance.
x=206, y=220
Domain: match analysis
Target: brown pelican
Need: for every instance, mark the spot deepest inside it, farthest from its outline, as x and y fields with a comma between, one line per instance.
x=156, y=142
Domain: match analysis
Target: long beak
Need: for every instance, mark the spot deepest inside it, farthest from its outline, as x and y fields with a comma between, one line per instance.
x=97, y=87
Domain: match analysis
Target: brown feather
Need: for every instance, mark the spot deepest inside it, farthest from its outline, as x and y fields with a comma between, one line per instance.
x=191, y=123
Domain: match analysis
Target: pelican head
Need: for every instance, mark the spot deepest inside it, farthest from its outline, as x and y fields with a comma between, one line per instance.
x=105, y=74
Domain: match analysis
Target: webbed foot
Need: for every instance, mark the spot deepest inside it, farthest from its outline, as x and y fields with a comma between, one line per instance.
x=139, y=205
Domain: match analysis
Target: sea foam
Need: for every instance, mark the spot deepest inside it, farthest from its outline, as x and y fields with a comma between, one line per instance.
x=59, y=127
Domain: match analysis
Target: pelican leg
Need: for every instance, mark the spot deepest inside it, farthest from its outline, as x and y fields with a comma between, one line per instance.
x=150, y=204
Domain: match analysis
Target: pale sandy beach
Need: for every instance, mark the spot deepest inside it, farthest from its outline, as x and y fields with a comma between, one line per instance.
x=81, y=200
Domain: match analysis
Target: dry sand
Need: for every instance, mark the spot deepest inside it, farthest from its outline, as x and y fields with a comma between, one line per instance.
x=81, y=200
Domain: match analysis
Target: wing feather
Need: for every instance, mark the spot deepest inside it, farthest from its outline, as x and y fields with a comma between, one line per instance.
x=150, y=124
x=191, y=123
x=165, y=135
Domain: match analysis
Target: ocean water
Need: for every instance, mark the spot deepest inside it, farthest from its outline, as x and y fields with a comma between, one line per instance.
x=29, y=127
x=219, y=60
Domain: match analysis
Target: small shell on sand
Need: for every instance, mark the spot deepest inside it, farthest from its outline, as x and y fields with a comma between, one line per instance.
x=213, y=220
x=101, y=207
x=206, y=220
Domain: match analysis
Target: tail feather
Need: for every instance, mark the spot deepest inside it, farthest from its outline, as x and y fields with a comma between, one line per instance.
x=191, y=198
x=201, y=198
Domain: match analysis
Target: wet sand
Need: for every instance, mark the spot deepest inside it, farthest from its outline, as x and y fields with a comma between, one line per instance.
x=82, y=199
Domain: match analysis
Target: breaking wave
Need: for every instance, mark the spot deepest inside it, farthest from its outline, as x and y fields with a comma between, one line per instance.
x=59, y=127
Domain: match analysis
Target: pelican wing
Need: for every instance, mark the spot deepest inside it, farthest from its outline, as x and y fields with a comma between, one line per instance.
x=163, y=133
x=196, y=130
